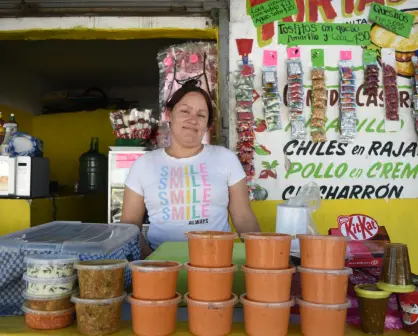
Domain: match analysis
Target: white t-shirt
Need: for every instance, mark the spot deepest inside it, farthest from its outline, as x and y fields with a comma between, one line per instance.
x=187, y=194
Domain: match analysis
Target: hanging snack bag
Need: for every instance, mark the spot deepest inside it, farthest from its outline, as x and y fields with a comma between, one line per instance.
x=371, y=73
x=319, y=96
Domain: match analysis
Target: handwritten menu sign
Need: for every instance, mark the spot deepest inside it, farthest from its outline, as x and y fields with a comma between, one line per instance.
x=395, y=20
x=272, y=10
x=308, y=33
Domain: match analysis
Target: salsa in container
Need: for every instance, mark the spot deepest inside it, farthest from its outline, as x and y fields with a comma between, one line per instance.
x=48, y=320
x=48, y=303
x=101, y=279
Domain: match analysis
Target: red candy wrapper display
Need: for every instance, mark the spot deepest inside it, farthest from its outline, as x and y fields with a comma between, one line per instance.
x=390, y=85
x=132, y=124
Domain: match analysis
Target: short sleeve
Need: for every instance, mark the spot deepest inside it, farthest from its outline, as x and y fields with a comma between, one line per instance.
x=235, y=171
x=133, y=180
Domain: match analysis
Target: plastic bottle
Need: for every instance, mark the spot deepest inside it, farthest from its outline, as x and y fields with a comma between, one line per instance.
x=93, y=169
x=10, y=128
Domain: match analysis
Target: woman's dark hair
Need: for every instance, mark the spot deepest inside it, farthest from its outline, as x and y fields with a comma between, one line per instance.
x=191, y=86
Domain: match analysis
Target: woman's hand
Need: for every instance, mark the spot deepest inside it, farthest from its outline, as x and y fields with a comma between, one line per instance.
x=133, y=213
x=239, y=207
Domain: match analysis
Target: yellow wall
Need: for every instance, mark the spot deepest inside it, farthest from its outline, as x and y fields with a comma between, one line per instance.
x=67, y=135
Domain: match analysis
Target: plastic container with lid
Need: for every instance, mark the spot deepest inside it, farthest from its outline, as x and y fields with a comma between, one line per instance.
x=154, y=318
x=49, y=287
x=210, y=248
x=48, y=320
x=101, y=279
x=266, y=319
x=267, y=250
x=321, y=319
x=50, y=266
x=268, y=285
x=210, y=318
x=98, y=317
x=210, y=284
x=373, y=305
x=48, y=302
x=322, y=252
x=325, y=286
x=154, y=279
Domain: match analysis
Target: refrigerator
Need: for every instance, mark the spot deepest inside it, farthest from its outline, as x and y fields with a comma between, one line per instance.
x=121, y=160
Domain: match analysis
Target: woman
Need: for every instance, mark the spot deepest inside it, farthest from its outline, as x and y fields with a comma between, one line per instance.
x=187, y=186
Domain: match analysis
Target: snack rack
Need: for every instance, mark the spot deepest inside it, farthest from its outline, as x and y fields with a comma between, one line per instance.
x=121, y=160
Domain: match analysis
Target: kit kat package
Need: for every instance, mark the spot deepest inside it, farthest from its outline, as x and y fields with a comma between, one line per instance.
x=367, y=240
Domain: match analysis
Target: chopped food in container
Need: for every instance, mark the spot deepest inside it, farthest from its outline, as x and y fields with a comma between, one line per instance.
x=50, y=266
x=44, y=287
x=48, y=320
x=48, y=302
x=98, y=317
x=101, y=279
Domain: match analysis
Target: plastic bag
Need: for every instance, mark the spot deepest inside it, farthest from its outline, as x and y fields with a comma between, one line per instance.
x=295, y=215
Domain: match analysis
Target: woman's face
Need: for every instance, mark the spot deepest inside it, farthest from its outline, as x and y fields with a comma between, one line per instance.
x=189, y=120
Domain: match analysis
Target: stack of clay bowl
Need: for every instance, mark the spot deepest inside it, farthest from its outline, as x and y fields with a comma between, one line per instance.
x=154, y=300
x=99, y=304
x=323, y=306
x=210, y=274
x=268, y=280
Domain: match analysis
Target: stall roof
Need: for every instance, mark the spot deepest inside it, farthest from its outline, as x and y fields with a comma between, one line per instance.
x=109, y=7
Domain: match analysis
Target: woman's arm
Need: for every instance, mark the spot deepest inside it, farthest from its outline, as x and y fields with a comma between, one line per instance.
x=239, y=207
x=133, y=211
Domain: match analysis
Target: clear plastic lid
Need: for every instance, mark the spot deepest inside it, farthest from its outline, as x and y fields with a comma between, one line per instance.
x=246, y=269
x=47, y=313
x=395, y=288
x=323, y=306
x=76, y=299
x=211, y=305
x=50, y=259
x=345, y=271
x=321, y=237
x=159, y=303
x=48, y=281
x=155, y=266
x=243, y=299
x=232, y=268
x=211, y=235
x=266, y=236
x=100, y=265
x=34, y=297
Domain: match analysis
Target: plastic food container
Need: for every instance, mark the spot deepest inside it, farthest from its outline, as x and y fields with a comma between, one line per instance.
x=48, y=303
x=373, y=305
x=266, y=319
x=98, y=317
x=323, y=320
x=210, y=318
x=101, y=279
x=49, y=287
x=154, y=318
x=154, y=280
x=210, y=248
x=48, y=320
x=268, y=285
x=325, y=286
x=267, y=250
x=49, y=266
x=322, y=252
x=210, y=284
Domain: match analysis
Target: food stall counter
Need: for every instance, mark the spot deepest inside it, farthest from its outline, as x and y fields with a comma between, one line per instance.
x=11, y=326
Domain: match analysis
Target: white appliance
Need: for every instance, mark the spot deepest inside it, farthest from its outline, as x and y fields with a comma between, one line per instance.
x=24, y=176
x=120, y=162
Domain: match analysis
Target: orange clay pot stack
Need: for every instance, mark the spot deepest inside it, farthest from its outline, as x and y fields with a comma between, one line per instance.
x=323, y=306
x=268, y=279
x=210, y=274
x=154, y=298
